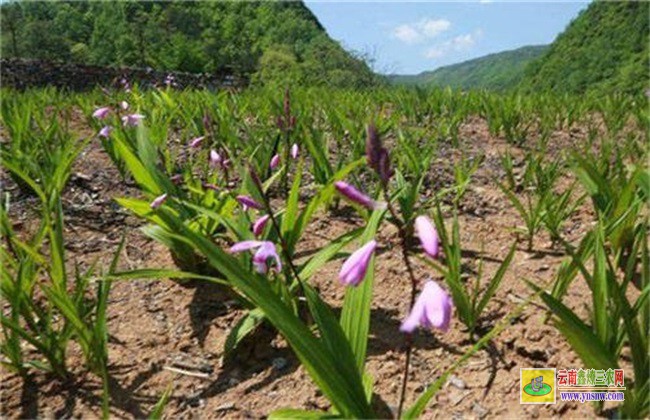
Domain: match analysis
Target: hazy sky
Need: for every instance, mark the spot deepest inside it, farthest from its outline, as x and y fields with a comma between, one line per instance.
x=410, y=37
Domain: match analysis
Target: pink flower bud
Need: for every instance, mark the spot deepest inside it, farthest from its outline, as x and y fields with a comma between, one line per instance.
x=176, y=179
x=132, y=119
x=428, y=235
x=248, y=201
x=354, y=268
x=275, y=161
x=431, y=309
x=294, y=151
x=258, y=226
x=105, y=132
x=124, y=105
x=158, y=201
x=356, y=196
x=101, y=113
x=215, y=158
x=196, y=142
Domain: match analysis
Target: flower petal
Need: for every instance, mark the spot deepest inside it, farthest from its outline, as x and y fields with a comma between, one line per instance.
x=414, y=318
x=196, y=141
x=354, y=195
x=158, y=201
x=101, y=113
x=248, y=201
x=245, y=245
x=275, y=161
x=438, y=306
x=258, y=226
x=428, y=236
x=264, y=253
x=354, y=268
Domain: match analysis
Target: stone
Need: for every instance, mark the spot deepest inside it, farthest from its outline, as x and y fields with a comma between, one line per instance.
x=279, y=363
x=479, y=410
x=455, y=381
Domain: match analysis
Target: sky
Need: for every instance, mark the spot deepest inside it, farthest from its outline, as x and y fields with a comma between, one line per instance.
x=411, y=37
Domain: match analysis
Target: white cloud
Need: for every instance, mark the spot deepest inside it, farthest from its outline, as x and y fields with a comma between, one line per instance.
x=432, y=27
x=406, y=33
x=419, y=31
x=462, y=42
x=485, y=1
x=457, y=44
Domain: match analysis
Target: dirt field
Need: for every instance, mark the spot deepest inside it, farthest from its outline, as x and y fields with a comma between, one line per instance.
x=156, y=326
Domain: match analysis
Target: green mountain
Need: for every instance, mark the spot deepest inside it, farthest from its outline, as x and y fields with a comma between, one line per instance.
x=270, y=41
x=498, y=71
x=604, y=49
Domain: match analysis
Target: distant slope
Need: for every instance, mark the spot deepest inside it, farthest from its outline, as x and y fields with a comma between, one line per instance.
x=605, y=49
x=271, y=41
x=497, y=71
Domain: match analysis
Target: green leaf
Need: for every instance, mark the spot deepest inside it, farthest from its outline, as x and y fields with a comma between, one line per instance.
x=324, y=369
x=334, y=338
x=355, y=315
x=158, y=273
x=157, y=412
x=289, y=218
x=591, y=350
x=246, y=325
x=294, y=413
x=135, y=166
x=496, y=280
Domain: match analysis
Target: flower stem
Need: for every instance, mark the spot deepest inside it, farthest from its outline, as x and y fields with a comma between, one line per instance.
x=403, y=235
x=276, y=226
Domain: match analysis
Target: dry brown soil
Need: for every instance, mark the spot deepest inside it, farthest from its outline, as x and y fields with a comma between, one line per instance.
x=158, y=325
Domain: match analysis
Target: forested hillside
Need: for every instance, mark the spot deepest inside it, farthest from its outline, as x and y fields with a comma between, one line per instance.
x=604, y=49
x=266, y=41
x=498, y=71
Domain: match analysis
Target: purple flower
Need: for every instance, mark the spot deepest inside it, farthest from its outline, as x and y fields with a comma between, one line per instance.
x=248, y=201
x=105, y=131
x=373, y=147
x=265, y=252
x=377, y=155
x=177, y=179
x=132, y=119
x=385, y=172
x=432, y=309
x=196, y=142
x=355, y=267
x=275, y=161
x=215, y=158
x=158, y=201
x=258, y=226
x=101, y=113
x=356, y=196
x=210, y=186
x=428, y=235
x=294, y=151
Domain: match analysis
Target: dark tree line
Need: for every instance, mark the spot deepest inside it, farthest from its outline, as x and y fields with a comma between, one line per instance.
x=270, y=42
